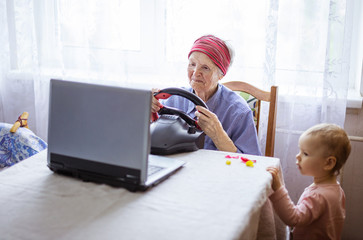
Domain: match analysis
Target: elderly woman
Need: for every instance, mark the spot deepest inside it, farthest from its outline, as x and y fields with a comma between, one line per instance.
x=228, y=123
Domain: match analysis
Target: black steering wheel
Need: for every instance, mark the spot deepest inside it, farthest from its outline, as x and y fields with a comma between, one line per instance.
x=166, y=93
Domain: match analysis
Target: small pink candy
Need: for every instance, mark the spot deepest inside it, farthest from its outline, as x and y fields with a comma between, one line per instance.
x=246, y=160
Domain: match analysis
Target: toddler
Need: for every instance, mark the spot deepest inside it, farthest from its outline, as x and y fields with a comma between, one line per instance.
x=320, y=211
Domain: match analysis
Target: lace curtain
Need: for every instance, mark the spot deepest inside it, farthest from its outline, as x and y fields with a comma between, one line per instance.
x=301, y=46
x=312, y=71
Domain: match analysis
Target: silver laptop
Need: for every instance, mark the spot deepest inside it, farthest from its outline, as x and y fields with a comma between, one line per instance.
x=102, y=134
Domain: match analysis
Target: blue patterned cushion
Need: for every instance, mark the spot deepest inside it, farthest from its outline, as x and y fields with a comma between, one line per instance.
x=252, y=102
x=15, y=147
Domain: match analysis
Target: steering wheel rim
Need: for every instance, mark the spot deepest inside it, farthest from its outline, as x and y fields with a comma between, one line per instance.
x=166, y=93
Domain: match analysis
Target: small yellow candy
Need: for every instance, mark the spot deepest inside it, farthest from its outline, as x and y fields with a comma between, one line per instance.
x=249, y=164
x=228, y=162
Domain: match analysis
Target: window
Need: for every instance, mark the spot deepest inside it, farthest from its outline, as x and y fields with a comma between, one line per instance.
x=356, y=58
x=111, y=25
x=143, y=41
x=101, y=39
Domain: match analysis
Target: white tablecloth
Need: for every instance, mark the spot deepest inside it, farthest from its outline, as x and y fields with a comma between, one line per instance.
x=206, y=199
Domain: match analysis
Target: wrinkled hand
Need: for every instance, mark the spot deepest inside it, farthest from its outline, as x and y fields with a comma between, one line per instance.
x=276, y=177
x=155, y=104
x=211, y=126
x=208, y=122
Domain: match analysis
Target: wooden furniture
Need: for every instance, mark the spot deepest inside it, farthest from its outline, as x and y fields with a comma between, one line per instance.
x=205, y=199
x=261, y=95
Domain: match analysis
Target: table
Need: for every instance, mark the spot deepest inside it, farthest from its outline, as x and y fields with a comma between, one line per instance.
x=206, y=199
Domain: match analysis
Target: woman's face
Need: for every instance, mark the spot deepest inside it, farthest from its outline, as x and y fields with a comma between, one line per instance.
x=203, y=73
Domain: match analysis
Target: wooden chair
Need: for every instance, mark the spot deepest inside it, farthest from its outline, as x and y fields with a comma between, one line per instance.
x=260, y=95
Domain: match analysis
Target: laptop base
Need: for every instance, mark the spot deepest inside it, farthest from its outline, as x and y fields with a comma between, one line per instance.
x=85, y=170
x=96, y=178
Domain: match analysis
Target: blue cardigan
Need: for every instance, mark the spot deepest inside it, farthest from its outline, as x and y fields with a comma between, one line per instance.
x=234, y=114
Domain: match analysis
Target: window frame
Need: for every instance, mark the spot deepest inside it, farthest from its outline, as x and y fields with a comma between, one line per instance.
x=355, y=90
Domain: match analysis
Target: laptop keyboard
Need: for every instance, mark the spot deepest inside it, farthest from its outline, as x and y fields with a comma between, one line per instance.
x=153, y=169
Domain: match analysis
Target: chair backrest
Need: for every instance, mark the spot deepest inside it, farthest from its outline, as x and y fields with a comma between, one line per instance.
x=260, y=95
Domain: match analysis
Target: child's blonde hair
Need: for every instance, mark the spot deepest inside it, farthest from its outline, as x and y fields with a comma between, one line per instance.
x=335, y=140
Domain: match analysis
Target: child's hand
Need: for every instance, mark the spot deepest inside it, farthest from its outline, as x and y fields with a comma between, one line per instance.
x=276, y=177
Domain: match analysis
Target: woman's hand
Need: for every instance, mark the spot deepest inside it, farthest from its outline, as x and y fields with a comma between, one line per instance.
x=155, y=104
x=276, y=177
x=210, y=124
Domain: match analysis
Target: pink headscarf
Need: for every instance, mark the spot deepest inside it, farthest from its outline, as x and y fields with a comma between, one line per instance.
x=215, y=49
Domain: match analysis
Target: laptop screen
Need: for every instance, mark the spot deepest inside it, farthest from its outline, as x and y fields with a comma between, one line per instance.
x=100, y=123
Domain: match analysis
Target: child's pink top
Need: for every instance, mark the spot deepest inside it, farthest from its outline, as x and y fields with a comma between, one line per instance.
x=319, y=214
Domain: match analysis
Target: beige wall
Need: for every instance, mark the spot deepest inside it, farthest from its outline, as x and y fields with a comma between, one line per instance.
x=352, y=178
